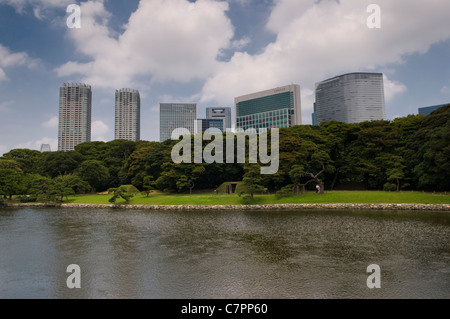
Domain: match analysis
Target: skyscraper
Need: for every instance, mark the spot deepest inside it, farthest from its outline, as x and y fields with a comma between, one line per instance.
x=75, y=107
x=351, y=98
x=45, y=148
x=174, y=116
x=275, y=108
x=128, y=115
x=220, y=113
x=201, y=125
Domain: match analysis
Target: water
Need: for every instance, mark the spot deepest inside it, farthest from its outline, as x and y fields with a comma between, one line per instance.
x=266, y=254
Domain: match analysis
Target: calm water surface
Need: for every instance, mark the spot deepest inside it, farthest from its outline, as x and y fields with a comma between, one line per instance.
x=266, y=254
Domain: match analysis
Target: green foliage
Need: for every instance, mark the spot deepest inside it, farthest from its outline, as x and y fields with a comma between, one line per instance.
x=27, y=199
x=411, y=152
x=95, y=173
x=149, y=184
x=389, y=187
x=10, y=164
x=27, y=159
x=252, y=180
x=120, y=192
x=286, y=191
x=2, y=201
x=53, y=164
x=428, y=151
x=11, y=182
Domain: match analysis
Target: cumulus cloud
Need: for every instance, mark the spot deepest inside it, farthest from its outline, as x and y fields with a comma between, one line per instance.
x=51, y=123
x=164, y=40
x=316, y=41
x=99, y=131
x=38, y=7
x=36, y=145
x=392, y=88
x=9, y=59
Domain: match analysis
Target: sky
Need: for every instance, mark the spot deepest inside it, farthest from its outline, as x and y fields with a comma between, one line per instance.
x=209, y=52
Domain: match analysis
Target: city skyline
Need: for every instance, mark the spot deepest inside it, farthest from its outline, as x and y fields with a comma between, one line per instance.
x=233, y=47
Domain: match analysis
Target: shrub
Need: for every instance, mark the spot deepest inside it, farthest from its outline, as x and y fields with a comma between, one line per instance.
x=389, y=187
x=284, y=192
x=27, y=199
x=2, y=201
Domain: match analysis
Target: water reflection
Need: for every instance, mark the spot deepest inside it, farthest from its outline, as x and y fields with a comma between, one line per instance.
x=154, y=254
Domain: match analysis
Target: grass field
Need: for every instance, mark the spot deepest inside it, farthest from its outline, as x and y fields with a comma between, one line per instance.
x=356, y=197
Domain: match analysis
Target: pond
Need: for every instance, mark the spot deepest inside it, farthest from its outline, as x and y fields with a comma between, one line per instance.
x=230, y=254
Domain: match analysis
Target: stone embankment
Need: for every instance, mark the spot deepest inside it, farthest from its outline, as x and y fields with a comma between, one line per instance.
x=420, y=207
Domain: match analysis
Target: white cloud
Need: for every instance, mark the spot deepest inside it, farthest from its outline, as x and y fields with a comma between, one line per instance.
x=392, y=88
x=318, y=41
x=99, y=131
x=9, y=59
x=51, y=123
x=39, y=7
x=36, y=145
x=164, y=40
x=241, y=43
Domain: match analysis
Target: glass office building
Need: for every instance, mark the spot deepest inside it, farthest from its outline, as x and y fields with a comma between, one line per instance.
x=350, y=98
x=275, y=108
x=429, y=109
x=75, y=107
x=174, y=116
x=201, y=125
x=128, y=115
x=217, y=113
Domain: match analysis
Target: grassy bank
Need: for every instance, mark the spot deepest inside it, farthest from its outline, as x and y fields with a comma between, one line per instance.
x=344, y=197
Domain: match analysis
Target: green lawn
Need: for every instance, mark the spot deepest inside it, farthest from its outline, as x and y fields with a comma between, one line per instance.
x=357, y=197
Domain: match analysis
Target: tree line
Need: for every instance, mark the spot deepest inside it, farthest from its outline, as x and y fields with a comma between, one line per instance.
x=412, y=153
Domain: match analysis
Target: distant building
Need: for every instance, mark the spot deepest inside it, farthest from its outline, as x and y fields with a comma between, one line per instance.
x=275, y=108
x=201, y=125
x=428, y=109
x=45, y=148
x=351, y=98
x=128, y=115
x=75, y=107
x=223, y=113
x=314, y=117
x=173, y=116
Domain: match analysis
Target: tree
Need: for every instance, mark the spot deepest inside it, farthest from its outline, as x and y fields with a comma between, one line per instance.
x=53, y=164
x=428, y=151
x=95, y=173
x=121, y=192
x=297, y=173
x=43, y=189
x=145, y=161
x=319, y=161
x=10, y=164
x=10, y=182
x=252, y=180
x=149, y=184
x=66, y=185
x=28, y=159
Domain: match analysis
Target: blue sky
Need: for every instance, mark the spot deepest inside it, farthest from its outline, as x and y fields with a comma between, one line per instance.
x=208, y=52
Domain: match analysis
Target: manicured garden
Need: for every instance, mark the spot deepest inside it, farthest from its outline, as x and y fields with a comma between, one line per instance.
x=332, y=197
